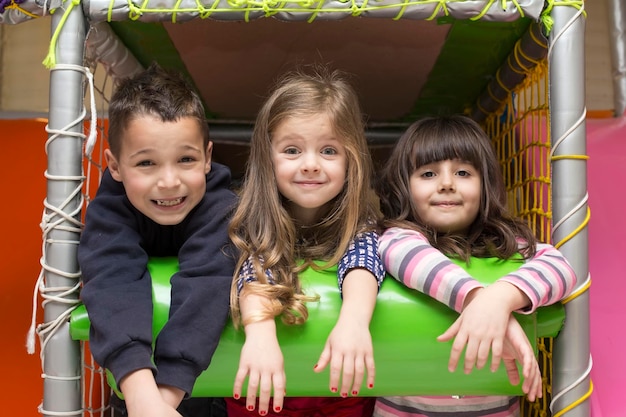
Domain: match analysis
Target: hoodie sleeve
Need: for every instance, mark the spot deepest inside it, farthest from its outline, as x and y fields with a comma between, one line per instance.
x=116, y=284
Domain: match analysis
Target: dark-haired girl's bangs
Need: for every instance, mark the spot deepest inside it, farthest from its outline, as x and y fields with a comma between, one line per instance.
x=454, y=146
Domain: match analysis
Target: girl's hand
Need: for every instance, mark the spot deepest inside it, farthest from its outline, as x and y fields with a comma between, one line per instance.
x=517, y=348
x=349, y=347
x=261, y=361
x=482, y=325
x=350, y=353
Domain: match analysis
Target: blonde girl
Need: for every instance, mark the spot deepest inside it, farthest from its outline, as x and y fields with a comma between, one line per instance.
x=306, y=197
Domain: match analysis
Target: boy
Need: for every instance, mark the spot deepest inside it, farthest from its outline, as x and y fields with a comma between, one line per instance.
x=160, y=196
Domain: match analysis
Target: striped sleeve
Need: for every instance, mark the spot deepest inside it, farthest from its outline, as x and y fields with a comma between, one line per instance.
x=545, y=278
x=246, y=275
x=408, y=257
x=362, y=253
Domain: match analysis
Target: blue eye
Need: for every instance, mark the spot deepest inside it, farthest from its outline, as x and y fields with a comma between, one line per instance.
x=329, y=151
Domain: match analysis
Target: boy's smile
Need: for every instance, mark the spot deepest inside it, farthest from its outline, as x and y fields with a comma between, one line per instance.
x=163, y=167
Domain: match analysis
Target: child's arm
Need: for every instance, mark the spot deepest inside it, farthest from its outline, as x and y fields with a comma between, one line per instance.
x=517, y=348
x=481, y=327
x=408, y=257
x=116, y=285
x=261, y=359
x=349, y=347
x=545, y=279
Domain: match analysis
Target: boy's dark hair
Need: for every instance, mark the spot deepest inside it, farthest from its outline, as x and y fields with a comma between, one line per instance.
x=155, y=92
x=494, y=232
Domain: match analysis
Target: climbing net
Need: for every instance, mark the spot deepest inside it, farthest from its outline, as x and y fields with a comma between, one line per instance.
x=521, y=137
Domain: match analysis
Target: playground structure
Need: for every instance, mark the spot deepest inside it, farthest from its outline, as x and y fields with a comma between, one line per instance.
x=564, y=162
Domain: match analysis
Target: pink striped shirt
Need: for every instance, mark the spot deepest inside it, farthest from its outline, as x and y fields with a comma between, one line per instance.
x=546, y=278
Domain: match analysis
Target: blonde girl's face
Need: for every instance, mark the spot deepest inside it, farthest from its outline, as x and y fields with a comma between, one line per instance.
x=446, y=195
x=310, y=164
x=163, y=167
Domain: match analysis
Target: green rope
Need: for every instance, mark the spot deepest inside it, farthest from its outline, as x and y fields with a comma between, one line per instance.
x=51, y=59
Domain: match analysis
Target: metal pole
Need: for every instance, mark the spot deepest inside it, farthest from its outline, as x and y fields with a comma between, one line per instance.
x=62, y=358
x=617, y=40
x=571, y=385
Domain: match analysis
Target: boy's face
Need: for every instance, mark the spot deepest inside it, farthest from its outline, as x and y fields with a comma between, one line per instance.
x=163, y=167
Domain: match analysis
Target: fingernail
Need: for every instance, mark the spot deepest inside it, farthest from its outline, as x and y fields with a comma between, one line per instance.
x=333, y=389
x=262, y=412
x=370, y=385
x=236, y=396
x=277, y=409
x=315, y=367
x=344, y=394
x=250, y=407
x=355, y=392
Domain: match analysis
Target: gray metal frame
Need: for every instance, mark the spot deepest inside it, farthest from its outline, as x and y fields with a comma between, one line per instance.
x=62, y=356
x=569, y=193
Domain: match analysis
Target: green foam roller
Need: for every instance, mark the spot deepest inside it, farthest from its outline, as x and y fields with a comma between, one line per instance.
x=409, y=360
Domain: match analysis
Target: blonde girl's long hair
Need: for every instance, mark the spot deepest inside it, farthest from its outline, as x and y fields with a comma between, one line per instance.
x=494, y=232
x=263, y=230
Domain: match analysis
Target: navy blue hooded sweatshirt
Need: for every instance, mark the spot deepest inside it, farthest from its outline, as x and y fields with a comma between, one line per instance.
x=113, y=253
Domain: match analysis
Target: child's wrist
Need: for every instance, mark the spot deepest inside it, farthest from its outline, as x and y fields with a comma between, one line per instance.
x=469, y=297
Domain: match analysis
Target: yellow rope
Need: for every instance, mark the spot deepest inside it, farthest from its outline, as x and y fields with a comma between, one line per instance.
x=577, y=402
x=51, y=60
x=546, y=14
x=577, y=293
x=575, y=231
x=272, y=7
x=15, y=6
x=561, y=157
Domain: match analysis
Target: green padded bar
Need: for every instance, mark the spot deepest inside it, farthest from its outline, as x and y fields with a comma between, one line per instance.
x=409, y=360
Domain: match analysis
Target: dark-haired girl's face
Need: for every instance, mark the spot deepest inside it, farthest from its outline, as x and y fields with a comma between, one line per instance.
x=446, y=195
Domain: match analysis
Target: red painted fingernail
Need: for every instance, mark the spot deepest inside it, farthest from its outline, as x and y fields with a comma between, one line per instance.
x=277, y=409
x=262, y=412
x=236, y=396
x=250, y=407
x=315, y=367
x=333, y=389
x=355, y=392
x=370, y=385
x=344, y=394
